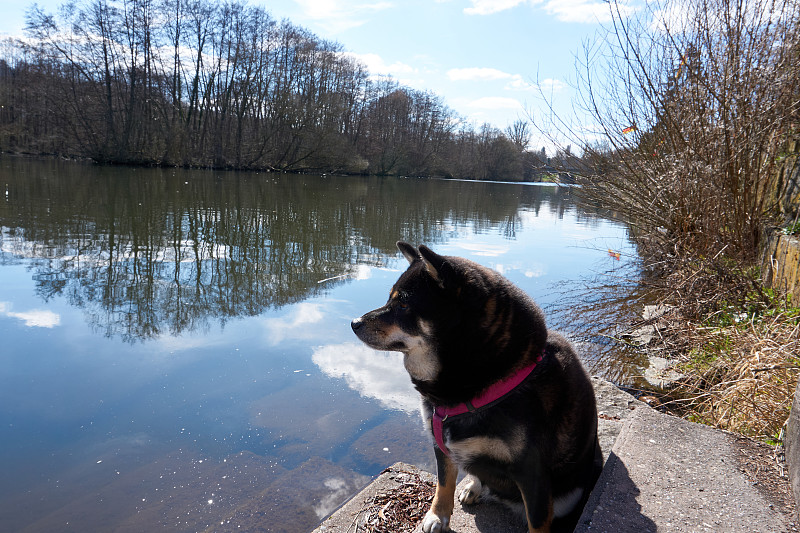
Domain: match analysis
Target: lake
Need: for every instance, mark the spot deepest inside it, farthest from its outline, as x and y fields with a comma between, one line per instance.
x=176, y=345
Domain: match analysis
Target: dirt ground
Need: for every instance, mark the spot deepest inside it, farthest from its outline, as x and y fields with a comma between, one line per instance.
x=765, y=467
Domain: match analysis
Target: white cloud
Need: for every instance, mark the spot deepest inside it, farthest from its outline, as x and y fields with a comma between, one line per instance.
x=35, y=318
x=517, y=83
x=477, y=74
x=671, y=19
x=376, y=65
x=373, y=374
x=487, y=7
x=495, y=102
x=319, y=9
x=582, y=11
x=550, y=85
x=340, y=15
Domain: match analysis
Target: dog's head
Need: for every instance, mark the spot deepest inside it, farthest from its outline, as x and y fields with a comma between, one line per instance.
x=419, y=306
x=459, y=325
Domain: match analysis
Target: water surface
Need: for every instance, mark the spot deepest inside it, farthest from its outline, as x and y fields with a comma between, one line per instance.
x=176, y=351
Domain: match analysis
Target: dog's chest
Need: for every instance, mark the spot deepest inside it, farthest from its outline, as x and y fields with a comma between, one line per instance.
x=504, y=450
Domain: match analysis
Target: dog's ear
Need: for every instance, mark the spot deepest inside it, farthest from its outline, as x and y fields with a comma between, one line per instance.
x=435, y=264
x=408, y=251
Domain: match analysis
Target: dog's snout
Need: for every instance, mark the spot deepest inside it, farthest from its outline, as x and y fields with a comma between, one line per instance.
x=356, y=324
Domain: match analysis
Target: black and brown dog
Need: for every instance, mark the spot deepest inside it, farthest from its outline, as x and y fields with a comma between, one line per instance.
x=506, y=400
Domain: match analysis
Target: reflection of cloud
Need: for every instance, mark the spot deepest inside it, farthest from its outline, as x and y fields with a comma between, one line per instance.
x=362, y=272
x=535, y=271
x=483, y=249
x=35, y=318
x=329, y=502
x=294, y=326
x=183, y=251
x=378, y=375
x=187, y=342
x=358, y=272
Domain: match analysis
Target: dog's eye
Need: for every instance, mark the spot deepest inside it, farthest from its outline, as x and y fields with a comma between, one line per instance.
x=402, y=306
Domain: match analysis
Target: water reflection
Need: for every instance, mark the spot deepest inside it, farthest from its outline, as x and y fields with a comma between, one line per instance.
x=374, y=375
x=146, y=252
x=178, y=342
x=35, y=318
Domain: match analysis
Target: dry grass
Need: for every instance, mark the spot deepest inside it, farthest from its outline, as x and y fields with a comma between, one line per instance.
x=741, y=377
x=736, y=342
x=397, y=510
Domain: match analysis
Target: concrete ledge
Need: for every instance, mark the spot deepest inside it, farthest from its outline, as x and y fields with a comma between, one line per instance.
x=667, y=474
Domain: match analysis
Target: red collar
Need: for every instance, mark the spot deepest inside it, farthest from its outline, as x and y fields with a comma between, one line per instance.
x=492, y=394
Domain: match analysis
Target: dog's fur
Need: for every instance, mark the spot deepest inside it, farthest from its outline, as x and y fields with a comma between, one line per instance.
x=461, y=328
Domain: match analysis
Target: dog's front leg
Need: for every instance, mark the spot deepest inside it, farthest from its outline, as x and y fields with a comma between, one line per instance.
x=437, y=519
x=534, y=485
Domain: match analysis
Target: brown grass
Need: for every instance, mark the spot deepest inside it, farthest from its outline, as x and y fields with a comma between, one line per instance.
x=736, y=342
x=742, y=377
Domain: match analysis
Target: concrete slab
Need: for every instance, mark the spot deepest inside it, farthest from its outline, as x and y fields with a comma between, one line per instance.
x=667, y=474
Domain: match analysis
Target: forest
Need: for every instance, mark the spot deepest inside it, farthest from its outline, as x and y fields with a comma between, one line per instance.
x=196, y=83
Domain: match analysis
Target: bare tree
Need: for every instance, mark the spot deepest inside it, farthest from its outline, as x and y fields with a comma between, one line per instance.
x=695, y=99
x=520, y=134
x=199, y=83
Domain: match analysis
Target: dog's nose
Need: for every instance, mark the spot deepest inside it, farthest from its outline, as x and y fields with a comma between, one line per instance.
x=356, y=323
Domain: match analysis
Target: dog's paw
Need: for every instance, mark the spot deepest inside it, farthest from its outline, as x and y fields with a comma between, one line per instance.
x=433, y=523
x=472, y=491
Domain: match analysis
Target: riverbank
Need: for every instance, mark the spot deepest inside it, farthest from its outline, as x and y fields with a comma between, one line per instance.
x=732, y=365
x=544, y=176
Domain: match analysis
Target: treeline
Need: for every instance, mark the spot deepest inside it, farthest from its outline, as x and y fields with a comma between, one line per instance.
x=198, y=83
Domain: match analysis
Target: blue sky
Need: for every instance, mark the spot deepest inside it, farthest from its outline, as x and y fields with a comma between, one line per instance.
x=484, y=57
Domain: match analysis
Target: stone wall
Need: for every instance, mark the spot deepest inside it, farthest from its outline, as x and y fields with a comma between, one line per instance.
x=792, y=445
x=781, y=264
x=781, y=270
x=788, y=183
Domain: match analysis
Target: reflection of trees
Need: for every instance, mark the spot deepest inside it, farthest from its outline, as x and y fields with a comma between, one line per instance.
x=145, y=252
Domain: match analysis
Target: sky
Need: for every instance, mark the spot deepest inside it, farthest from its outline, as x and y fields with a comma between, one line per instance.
x=489, y=60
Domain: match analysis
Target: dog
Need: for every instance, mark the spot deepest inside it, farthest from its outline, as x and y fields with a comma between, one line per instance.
x=505, y=399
